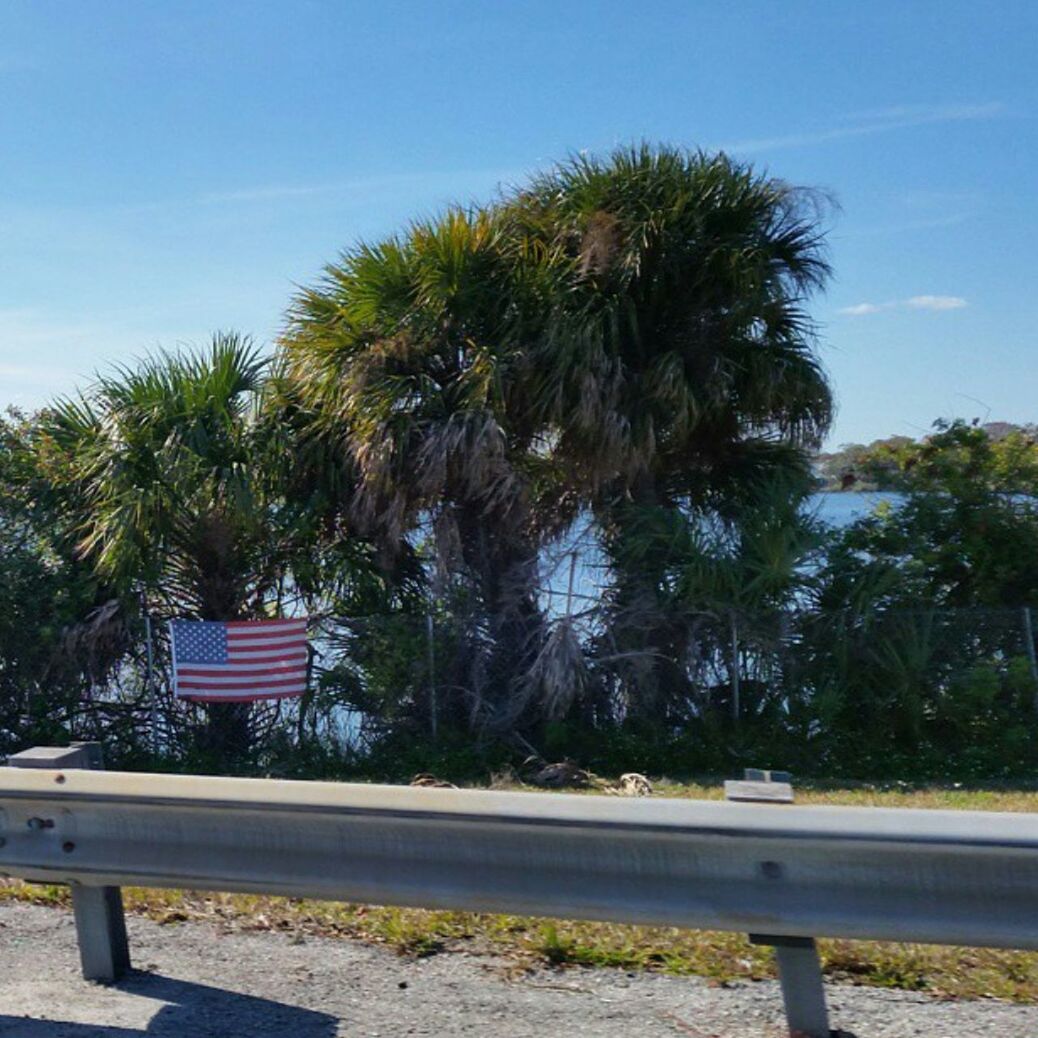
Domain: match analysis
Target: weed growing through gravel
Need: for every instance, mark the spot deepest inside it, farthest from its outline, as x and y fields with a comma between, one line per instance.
x=529, y=942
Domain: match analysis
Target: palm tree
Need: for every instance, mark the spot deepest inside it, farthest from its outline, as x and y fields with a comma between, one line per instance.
x=410, y=360
x=172, y=486
x=629, y=334
x=678, y=366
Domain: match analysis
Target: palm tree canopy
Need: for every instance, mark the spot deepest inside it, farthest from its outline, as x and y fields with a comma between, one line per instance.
x=165, y=469
x=682, y=341
x=628, y=328
x=411, y=352
x=409, y=360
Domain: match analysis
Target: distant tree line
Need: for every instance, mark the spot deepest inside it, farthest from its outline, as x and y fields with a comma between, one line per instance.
x=612, y=364
x=879, y=464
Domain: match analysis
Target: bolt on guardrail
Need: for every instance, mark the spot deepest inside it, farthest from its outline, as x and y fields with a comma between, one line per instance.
x=788, y=874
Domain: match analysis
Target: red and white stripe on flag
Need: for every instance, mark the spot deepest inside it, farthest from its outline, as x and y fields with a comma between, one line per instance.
x=238, y=661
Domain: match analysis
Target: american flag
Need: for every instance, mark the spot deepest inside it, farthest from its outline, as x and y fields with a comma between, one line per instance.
x=239, y=660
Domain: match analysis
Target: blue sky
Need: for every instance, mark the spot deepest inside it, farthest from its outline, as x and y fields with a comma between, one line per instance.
x=168, y=169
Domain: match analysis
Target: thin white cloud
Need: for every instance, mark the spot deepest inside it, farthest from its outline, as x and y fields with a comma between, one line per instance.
x=23, y=327
x=263, y=194
x=38, y=353
x=936, y=302
x=866, y=124
x=361, y=186
x=933, y=303
x=931, y=113
x=936, y=222
x=930, y=199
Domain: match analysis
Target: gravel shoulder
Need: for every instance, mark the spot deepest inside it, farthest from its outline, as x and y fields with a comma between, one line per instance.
x=195, y=981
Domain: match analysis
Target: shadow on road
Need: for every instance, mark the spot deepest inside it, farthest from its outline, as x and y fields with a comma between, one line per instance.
x=194, y=1010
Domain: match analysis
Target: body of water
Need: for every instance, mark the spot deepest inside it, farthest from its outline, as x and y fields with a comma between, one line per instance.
x=836, y=508
x=843, y=507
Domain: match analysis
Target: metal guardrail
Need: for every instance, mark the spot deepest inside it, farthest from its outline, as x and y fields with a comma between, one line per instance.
x=790, y=873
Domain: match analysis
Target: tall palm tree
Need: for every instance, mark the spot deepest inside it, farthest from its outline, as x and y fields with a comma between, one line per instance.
x=172, y=487
x=410, y=356
x=679, y=363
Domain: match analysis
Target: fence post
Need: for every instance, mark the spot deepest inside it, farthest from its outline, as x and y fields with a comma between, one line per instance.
x=736, y=706
x=153, y=704
x=799, y=969
x=431, y=645
x=1029, y=645
x=104, y=951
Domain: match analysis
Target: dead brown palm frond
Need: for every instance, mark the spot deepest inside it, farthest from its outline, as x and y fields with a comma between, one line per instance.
x=562, y=775
x=467, y=456
x=447, y=548
x=95, y=643
x=427, y=781
x=558, y=675
x=633, y=784
x=600, y=244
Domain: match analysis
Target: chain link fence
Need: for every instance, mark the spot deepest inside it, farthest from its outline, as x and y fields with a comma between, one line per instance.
x=905, y=673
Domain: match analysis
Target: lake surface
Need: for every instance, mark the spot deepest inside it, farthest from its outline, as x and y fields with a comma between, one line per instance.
x=835, y=508
x=842, y=507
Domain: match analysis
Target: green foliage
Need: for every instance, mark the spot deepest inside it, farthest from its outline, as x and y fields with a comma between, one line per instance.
x=54, y=636
x=165, y=471
x=856, y=466
x=679, y=372
x=967, y=531
x=681, y=345
x=619, y=354
x=623, y=335
x=408, y=357
x=166, y=483
x=914, y=654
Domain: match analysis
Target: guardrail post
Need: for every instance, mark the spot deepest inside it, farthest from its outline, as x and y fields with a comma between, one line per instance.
x=799, y=969
x=104, y=951
x=803, y=993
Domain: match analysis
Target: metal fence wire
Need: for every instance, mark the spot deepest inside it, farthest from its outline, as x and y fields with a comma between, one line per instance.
x=370, y=674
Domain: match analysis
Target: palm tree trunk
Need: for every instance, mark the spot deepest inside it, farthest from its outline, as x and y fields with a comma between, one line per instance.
x=504, y=565
x=736, y=706
x=227, y=737
x=643, y=621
